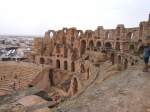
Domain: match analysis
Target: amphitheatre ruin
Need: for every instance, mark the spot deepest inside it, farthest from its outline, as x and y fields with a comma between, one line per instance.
x=71, y=70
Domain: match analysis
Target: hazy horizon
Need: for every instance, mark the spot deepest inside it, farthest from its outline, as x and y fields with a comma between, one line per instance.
x=34, y=17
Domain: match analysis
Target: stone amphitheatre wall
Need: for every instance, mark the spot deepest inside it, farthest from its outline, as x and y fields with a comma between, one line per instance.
x=72, y=50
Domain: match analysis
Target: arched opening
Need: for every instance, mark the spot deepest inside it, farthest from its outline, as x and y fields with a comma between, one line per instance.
x=141, y=50
x=108, y=45
x=131, y=47
x=91, y=45
x=125, y=64
x=65, y=65
x=57, y=63
x=112, y=58
x=130, y=36
x=65, y=30
x=80, y=33
x=82, y=68
x=75, y=85
x=88, y=74
x=51, y=77
x=51, y=34
x=42, y=61
x=82, y=47
x=117, y=46
x=72, y=66
x=98, y=44
x=119, y=59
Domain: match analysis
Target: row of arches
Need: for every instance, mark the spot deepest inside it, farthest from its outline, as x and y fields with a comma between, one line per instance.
x=123, y=60
x=58, y=65
x=91, y=45
x=46, y=61
x=107, y=34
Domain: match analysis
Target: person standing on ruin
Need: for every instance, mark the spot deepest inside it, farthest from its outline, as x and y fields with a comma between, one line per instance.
x=146, y=52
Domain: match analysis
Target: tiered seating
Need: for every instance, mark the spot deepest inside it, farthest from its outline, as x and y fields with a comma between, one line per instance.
x=16, y=75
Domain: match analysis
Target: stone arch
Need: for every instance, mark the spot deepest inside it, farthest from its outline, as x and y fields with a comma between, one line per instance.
x=131, y=47
x=88, y=74
x=57, y=63
x=98, y=44
x=65, y=30
x=51, y=33
x=65, y=65
x=42, y=60
x=119, y=59
x=82, y=47
x=108, y=45
x=72, y=67
x=130, y=36
x=117, y=46
x=82, y=68
x=141, y=50
x=91, y=44
x=80, y=33
x=112, y=58
x=125, y=63
x=73, y=86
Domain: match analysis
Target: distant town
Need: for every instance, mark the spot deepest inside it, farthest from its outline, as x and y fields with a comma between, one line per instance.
x=15, y=47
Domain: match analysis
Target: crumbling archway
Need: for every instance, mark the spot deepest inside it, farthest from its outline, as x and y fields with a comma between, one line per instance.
x=42, y=61
x=141, y=50
x=98, y=44
x=57, y=63
x=112, y=58
x=130, y=36
x=72, y=66
x=82, y=68
x=82, y=47
x=108, y=45
x=51, y=33
x=119, y=59
x=91, y=44
x=65, y=65
x=131, y=47
x=75, y=85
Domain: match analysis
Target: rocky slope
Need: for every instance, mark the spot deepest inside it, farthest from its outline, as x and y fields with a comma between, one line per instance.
x=121, y=91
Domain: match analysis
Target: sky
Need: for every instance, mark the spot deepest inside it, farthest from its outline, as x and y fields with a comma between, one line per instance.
x=35, y=17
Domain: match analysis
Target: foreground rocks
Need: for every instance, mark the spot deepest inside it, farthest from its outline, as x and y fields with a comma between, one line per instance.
x=126, y=91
